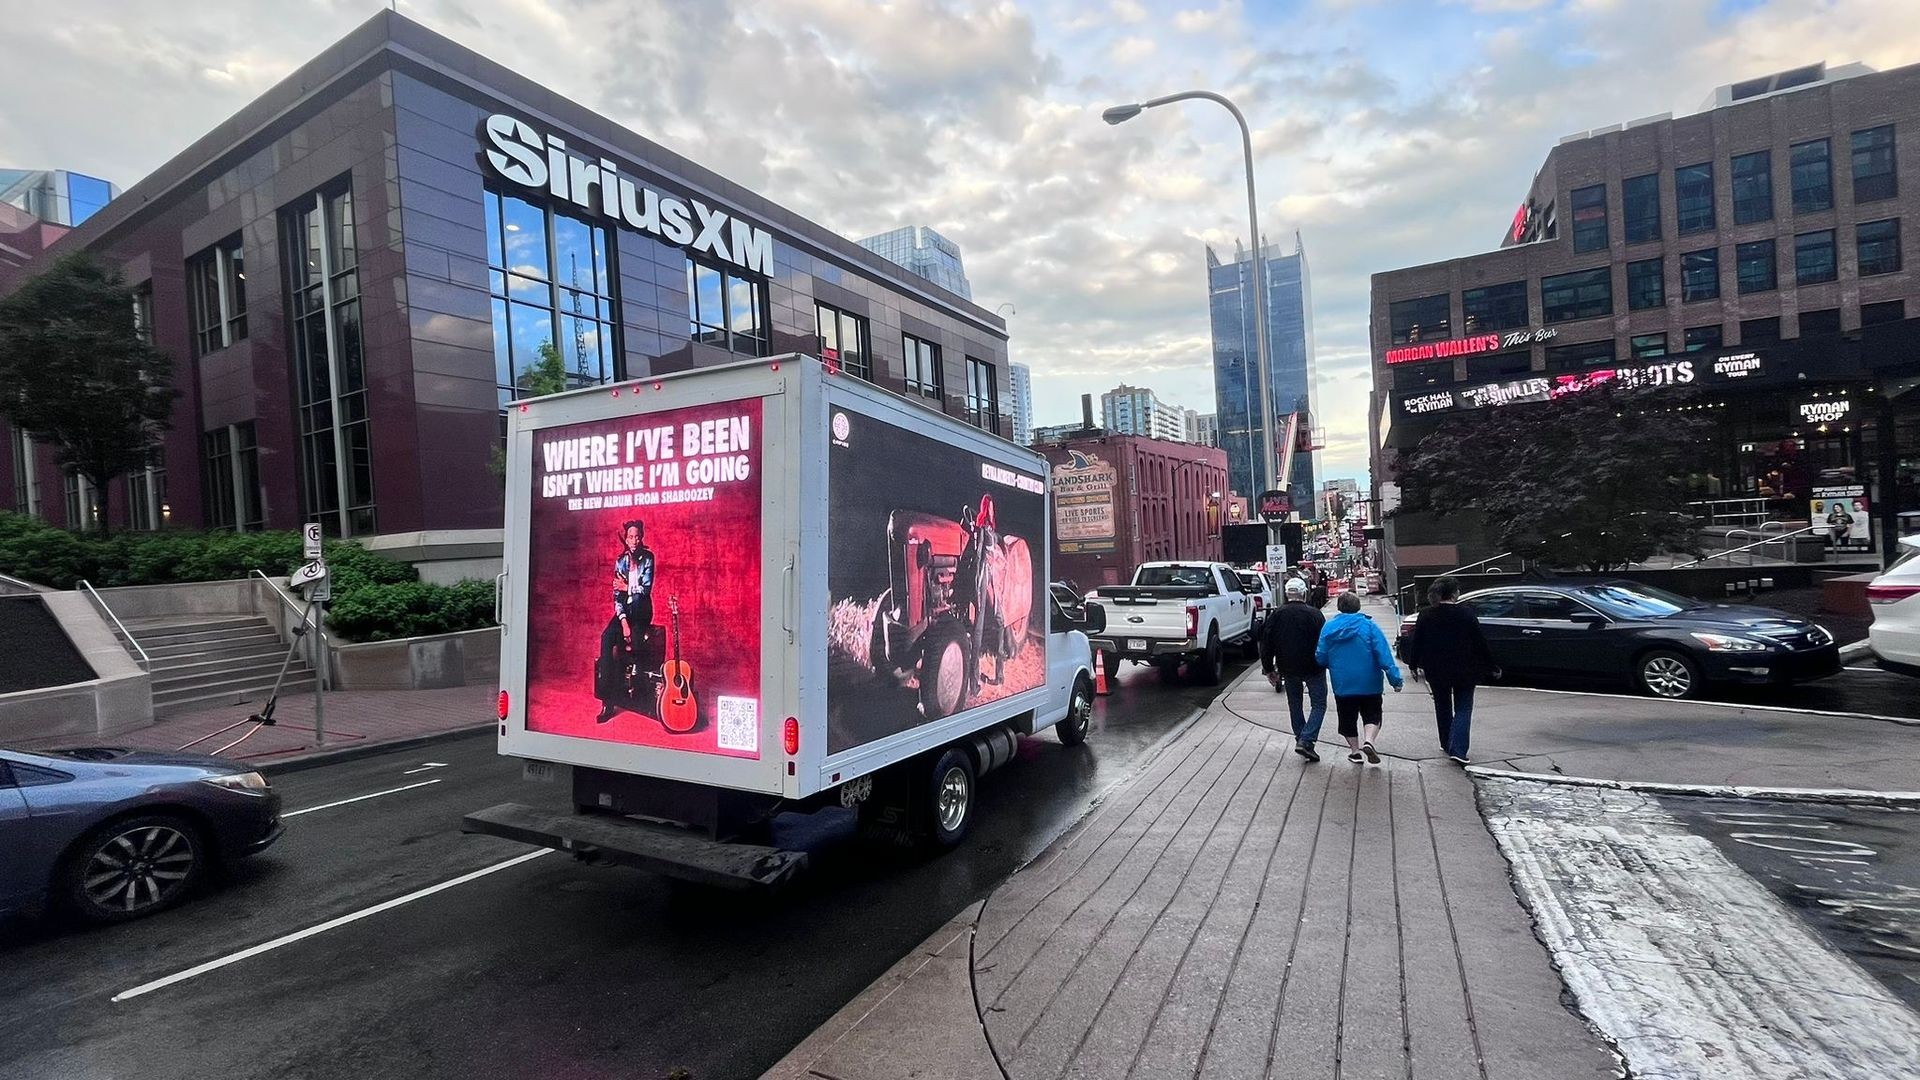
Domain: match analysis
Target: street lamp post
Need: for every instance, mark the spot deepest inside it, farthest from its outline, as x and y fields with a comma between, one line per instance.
x=1120, y=114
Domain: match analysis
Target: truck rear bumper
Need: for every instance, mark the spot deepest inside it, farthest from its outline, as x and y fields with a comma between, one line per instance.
x=1154, y=647
x=644, y=845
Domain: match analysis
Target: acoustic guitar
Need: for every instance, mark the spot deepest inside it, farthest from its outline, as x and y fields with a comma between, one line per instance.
x=679, y=712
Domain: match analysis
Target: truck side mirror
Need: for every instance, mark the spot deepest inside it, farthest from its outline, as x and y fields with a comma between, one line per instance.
x=1095, y=621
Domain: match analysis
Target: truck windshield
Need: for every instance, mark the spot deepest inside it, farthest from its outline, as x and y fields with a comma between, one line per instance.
x=1184, y=576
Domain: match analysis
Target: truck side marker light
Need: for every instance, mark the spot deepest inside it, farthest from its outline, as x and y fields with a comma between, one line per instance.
x=792, y=736
x=504, y=702
x=656, y=386
x=776, y=365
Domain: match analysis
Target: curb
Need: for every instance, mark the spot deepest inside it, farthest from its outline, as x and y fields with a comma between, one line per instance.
x=1840, y=796
x=316, y=758
x=1859, y=650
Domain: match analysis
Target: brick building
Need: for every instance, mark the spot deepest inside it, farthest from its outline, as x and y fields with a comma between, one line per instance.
x=1121, y=500
x=1759, y=254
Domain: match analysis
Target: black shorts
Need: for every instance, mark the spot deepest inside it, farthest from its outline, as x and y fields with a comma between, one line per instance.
x=1356, y=709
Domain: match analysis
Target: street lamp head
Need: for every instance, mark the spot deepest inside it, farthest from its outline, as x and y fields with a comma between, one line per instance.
x=1120, y=114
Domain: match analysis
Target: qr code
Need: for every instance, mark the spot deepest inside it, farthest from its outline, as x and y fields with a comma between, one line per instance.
x=739, y=724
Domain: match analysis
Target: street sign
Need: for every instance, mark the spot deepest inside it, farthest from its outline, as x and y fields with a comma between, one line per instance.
x=1276, y=557
x=1275, y=505
x=310, y=535
x=308, y=575
x=321, y=590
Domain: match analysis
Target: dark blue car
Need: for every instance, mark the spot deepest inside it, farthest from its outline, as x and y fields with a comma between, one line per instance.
x=114, y=834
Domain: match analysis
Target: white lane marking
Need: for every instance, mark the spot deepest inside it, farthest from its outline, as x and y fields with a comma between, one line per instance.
x=330, y=924
x=1910, y=721
x=424, y=766
x=356, y=798
x=1878, y=671
x=1685, y=962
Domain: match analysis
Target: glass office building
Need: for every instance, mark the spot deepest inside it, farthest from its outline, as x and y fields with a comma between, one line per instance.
x=924, y=252
x=1291, y=382
x=55, y=195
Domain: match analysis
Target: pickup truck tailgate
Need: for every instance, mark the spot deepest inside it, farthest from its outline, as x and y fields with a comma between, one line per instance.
x=663, y=849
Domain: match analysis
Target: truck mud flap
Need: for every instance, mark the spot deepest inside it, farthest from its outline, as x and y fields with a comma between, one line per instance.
x=644, y=845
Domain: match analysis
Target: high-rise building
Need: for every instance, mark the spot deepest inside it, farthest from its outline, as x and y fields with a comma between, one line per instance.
x=1022, y=411
x=1291, y=381
x=55, y=196
x=924, y=252
x=1133, y=410
x=1203, y=429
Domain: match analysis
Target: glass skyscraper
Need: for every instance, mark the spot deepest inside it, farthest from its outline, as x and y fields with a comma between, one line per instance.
x=924, y=252
x=55, y=195
x=1291, y=384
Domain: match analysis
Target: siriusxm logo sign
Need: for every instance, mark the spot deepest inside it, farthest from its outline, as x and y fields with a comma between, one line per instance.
x=524, y=157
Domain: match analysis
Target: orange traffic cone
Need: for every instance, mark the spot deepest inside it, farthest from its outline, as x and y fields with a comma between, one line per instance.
x=1100, y=673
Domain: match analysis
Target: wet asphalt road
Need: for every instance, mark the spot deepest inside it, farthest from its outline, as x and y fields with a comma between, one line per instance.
x=543, y=969
x=1852, y=873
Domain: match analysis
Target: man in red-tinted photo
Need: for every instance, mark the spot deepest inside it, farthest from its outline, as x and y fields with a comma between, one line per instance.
x=632, y=600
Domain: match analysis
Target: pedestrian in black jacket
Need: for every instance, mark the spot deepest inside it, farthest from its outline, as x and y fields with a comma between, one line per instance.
x=1287, y=641
x=1450, y=649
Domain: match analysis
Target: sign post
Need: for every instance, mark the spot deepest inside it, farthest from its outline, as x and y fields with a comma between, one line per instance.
x=319, y=586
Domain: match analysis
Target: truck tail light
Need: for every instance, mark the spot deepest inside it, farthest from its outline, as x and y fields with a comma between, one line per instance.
x=1890, y=594
x=792, y=736
x=1259, y=603
x=1193, y=621
x=505, y=704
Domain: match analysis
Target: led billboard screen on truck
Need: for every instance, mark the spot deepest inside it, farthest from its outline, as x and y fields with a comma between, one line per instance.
x=935, y=567
x=644, y=587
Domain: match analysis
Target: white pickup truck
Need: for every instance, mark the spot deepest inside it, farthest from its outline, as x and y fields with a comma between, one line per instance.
x=1175, y=613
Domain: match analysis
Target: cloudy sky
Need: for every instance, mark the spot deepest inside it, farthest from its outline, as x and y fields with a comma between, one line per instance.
x=1387, y=133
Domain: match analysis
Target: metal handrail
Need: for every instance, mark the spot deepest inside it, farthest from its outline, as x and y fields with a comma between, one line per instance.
x=20, y=583
x=1749, y=547
x=309, y=647
x=146, y=662
x=281, y=593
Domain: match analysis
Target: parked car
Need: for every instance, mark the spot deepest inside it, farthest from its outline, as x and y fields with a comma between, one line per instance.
x=1175, y=613
x=114, y=834
x=1264, y=592
x=1895, y=599
x=1666, y=645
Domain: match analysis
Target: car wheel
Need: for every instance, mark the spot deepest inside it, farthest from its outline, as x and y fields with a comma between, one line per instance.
x=133, y=867
x=1665, y=673
x=1073, y=730
x=946, y=798
x=943, y=674
x=1211, y=661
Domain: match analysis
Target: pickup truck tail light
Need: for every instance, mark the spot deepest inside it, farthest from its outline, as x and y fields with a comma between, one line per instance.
x=1259, y=603
x=1193, y=621
x=1890, y=594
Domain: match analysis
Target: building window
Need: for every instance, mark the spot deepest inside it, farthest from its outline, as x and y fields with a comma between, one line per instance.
x=321, y=262
x=217, y=296
x=1877, y=245
x=843, y=340
x=26, y=473
x=1753, y=187
x=983, y=395
x=1822, y=323
x=232, y=488
x=1754, y=267
x=1693, y=197
x=923, y=368
x=1873, y=168
x=726, y=310
x=1646, y=284
x=1495, y=307
x=83, y=510
x=1813, y=260
x=1700, y=275
x=1425, y=319
x=1649, y=346
x=1583, y=294
x=143, y=312
x=147, y=493
x=1812, y=176
x=1760, y=331
x=1590, y=218
x=1506, y=363
x=1583, y=355
x=551, y=278
x=1419, y=376
x=1884, y=312
x=1702, y=337
x=1640, y=206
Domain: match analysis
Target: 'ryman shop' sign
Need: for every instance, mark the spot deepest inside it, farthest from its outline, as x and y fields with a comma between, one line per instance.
x=521, y=155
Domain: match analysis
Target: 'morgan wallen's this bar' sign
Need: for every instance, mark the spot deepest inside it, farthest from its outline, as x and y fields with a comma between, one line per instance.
x=522, y=155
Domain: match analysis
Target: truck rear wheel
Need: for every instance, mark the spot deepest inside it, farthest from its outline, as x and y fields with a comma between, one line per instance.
x=943, y=673
x=944, y=798
x=1206, y=669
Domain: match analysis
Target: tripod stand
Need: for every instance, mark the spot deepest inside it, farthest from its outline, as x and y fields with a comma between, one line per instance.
x=264, y=718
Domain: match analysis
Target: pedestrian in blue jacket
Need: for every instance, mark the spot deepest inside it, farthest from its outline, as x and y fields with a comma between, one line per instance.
x=1356, y=655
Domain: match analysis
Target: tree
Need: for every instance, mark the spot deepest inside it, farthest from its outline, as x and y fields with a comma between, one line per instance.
x=76, y=372
x=1589, y=480
x=548, y=375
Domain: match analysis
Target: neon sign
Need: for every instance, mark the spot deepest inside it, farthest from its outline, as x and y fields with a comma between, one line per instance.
x=1435, y=350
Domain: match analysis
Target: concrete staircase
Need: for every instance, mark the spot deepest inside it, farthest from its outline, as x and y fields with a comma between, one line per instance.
x=209, y=661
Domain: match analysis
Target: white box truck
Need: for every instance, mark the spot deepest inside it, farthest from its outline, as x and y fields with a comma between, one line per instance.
x=769, y=587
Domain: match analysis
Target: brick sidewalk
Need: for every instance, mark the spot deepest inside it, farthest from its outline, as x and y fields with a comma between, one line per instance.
x=356, y=720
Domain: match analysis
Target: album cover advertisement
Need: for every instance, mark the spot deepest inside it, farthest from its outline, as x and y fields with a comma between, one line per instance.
x=643, y=604
x=935, y=564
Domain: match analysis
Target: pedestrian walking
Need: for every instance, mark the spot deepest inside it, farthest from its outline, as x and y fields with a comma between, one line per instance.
x=1288, y=641
x=1356, y=655
x=1450, y=650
